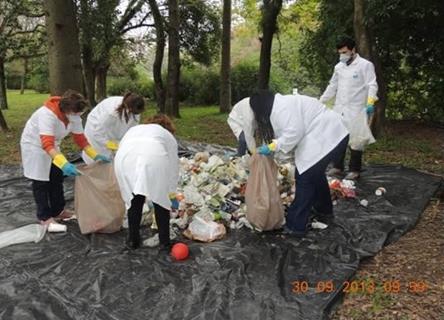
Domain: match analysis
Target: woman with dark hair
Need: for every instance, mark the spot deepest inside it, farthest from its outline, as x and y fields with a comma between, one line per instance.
x=42, y=160
x=147, y=168
x=315, y=134
x=108, y=122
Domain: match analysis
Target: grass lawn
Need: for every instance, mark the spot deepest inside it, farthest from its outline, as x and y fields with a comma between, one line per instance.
x=411, y=144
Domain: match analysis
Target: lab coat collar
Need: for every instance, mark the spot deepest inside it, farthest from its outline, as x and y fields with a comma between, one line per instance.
x=53, y=104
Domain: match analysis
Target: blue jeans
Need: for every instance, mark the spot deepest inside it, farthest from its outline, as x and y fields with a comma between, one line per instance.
x=312, y=190
x=242, y=146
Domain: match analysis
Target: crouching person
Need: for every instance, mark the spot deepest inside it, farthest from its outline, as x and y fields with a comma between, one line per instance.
x=147, y=168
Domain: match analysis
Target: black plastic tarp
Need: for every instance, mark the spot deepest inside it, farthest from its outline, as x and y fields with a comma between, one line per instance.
x=246, y=275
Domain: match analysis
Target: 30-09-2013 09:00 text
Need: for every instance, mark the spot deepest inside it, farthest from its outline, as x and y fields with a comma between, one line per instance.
x=359, y=286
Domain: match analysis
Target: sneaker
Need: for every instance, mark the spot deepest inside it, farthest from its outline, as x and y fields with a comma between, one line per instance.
x=65, y=215
x=352, y=175
x=335, y=172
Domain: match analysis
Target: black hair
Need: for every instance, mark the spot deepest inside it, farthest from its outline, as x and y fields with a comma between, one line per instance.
x=261, y=102
x=346, y=42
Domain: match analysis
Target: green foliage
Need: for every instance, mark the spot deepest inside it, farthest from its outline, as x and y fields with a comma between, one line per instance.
x=199, y=30
x=118, y=86
x=199, y=85
x=39, y=75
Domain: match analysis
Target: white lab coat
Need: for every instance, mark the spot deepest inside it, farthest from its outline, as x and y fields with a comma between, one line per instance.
x=305, y=123
x=353, y=85
x=103, y=124
x=35, y=160
x=147, y=163
x=241, y=118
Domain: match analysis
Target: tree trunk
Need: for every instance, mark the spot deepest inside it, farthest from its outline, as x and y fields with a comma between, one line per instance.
x=86, y=35
x=270, y=11
x=89, y=75
x=225, y=82
x=23, y=77
x=363, y=39
x=101, y=74
x=3, y=99
x=65, y=70
x=3, y=125
x=172, y=92
x=160, y=49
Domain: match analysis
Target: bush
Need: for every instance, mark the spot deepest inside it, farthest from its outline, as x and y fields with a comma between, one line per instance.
x=39, y=76
x=119, y=86
x=199, y=86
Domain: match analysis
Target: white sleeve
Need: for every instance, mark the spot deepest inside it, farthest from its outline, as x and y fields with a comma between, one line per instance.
x=47, y=124
x=104, y=131
x=331, y=89
x=370, y=77
x=235, y=121
x=292, y=132
x=173, y=164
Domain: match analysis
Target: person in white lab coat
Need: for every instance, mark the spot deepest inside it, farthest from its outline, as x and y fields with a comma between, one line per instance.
x=42, y=160
x=110, y=120
x=354, y=85
x=147, y=168
x=316, y=135
x=241, y=122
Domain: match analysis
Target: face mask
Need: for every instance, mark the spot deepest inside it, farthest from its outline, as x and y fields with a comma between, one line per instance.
x=344, y=57
x=73, y=117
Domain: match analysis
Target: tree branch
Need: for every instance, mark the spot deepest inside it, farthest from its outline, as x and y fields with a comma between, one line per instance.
x=136, y=26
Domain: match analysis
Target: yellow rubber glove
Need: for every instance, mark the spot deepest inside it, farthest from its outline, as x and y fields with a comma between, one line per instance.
x=59, y=160
x=67, y=167
x=112, y=145
x=91, y=152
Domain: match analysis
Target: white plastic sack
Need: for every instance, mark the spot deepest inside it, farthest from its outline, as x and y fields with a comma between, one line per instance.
x=360, y=133
x=28, y=233
x=205, y=231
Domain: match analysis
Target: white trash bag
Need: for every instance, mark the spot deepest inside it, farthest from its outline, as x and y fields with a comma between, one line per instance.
x=29, y=233
x=205, y=231
x=360, y=132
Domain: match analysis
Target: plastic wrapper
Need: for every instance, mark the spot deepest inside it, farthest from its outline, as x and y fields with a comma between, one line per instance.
x=205, y=231
x=28, y=233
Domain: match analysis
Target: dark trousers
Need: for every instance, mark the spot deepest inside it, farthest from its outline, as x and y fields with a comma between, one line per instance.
x=161, y=214
x=355, y=163
x=312, y=190
x=242, y=145
x=49, y=195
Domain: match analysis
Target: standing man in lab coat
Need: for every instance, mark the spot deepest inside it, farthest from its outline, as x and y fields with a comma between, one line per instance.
x=354, y=85
x=110, y=120
x=147, y=168
x=316, y=135
x=241, y=122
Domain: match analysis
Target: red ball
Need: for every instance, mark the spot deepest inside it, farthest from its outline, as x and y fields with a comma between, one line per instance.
x=180, y=251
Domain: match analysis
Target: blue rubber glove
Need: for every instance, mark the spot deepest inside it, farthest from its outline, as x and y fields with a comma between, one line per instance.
x=370, y=109
x=174, y=203
x=264, y=150
x=101, y=157
x=70, y=170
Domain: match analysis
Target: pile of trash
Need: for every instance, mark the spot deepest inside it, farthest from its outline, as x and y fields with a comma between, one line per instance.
x=211, y=194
